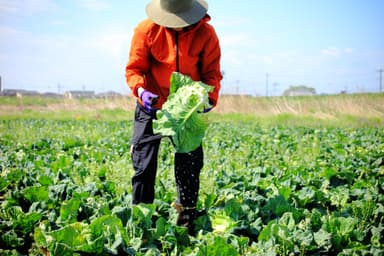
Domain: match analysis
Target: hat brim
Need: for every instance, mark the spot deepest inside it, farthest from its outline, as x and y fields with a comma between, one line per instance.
x=176, y=20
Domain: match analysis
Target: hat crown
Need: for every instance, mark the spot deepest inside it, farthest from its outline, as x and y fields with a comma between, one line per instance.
x=176, y=6
x=176, y=13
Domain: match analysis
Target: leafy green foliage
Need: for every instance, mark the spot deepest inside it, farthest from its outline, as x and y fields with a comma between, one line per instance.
x=179, y=117
x=65, y=190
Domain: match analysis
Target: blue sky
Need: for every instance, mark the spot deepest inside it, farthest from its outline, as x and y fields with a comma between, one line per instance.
x=48, y=45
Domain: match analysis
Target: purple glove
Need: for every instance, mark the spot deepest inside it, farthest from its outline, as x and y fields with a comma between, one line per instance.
x=148, y=99
x=206, y=110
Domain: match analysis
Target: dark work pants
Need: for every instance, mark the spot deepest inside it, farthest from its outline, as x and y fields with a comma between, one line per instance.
x=187, y=172
x=145, y=149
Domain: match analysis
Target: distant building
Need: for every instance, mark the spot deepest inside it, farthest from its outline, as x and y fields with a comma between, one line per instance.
x=79, y=94
x=51, y=95
x=18, y=93
x=109, y=94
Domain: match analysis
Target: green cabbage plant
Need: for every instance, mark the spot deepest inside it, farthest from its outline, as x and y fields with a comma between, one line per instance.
x=179, y=118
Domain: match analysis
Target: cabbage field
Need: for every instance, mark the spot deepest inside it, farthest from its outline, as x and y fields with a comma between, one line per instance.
x=65, y=189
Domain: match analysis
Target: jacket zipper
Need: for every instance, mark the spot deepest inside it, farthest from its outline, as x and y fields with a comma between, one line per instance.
x=177, y=50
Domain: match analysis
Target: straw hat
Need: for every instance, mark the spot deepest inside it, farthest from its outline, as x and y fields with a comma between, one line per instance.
x=176, y=13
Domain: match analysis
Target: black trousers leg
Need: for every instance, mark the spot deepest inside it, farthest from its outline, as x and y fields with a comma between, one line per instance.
x=144, y=152
x=187, y=172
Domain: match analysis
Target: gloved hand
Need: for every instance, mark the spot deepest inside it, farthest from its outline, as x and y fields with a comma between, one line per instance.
x=207, y=108
x=149, y=99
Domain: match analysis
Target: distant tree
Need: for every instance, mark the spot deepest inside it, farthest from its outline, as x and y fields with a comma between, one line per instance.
x=299, y=90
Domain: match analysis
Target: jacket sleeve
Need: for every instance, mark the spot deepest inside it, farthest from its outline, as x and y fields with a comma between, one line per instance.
x=210, y=65
x=138, y=63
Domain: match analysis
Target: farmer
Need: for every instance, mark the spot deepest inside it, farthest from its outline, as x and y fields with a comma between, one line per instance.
x=175, y=37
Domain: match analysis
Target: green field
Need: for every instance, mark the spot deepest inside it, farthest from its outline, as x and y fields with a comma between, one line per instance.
x=282, y=176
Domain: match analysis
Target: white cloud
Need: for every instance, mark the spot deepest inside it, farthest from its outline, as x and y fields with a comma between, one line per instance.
x=93, y=5
x=240, y=40
x=108, y=43
x=25, y=7
x=232, y=39
x=58, y=22
x=226, y=22
x=268, y=59
x=331, y=51
x=336, y=52
x=7, y=32
x=231, y=58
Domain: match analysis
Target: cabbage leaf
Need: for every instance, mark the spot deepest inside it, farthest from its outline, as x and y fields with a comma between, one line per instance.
x=179, y=118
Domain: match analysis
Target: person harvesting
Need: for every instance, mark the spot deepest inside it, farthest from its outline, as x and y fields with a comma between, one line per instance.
x=176, y=37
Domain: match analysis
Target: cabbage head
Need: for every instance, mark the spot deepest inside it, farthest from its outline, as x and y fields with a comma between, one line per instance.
x=179, y=118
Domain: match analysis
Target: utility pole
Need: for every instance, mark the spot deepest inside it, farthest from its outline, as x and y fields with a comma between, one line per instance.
x=266, y=84
x=380, y=79
x=1, y=88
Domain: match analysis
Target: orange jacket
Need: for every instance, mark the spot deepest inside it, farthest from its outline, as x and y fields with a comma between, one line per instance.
x=157, y=51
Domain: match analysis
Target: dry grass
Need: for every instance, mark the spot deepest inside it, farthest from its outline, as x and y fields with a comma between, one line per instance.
x=331, y=108
x=324, y=107
x=83, y=105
